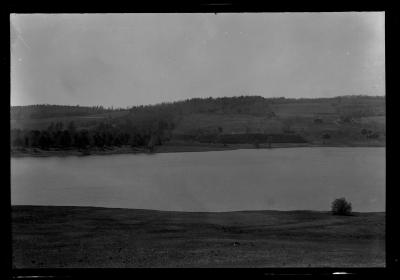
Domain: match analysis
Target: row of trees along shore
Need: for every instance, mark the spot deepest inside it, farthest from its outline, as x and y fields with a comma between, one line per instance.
x=101, y=136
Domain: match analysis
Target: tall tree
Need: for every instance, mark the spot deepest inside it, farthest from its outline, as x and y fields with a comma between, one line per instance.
x=66, y=140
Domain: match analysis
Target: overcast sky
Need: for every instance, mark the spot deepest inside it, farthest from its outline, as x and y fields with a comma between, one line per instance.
x=131, y=59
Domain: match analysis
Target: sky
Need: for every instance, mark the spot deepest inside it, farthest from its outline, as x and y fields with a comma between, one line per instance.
x=122, y=60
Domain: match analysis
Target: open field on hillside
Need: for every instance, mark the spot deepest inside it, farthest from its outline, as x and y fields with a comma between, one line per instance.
x=45, y=236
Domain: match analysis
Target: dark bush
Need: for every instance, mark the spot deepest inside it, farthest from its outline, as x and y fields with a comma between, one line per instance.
x=326, y=136
x=341, y=207
x=373, y=135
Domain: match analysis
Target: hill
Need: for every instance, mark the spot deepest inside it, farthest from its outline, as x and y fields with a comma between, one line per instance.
x=343, y=120
x=107, y=237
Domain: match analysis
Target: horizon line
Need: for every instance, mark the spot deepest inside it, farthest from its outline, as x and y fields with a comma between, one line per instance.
x=192, y=98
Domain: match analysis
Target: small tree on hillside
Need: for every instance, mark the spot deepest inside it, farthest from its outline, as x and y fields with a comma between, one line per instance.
x=325, y=137
x=341, y=207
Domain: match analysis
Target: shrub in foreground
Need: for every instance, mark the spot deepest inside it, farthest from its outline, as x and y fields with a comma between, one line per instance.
x=341, y=207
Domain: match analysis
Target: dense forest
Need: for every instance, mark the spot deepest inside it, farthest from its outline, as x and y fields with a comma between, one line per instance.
x=226, y=120
x=103, y=135
x=53, y=111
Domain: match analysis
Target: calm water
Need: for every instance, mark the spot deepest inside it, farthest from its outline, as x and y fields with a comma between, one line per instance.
x=282, y=179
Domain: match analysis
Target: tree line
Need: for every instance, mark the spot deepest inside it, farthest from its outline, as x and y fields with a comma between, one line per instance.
x=52, y=111
x=252, y=105
x=103, y=135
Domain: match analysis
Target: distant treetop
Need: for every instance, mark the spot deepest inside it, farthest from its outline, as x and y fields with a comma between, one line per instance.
x=249, y=104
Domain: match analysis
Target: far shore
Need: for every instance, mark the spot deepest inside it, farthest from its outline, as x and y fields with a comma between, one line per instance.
x=177, y=148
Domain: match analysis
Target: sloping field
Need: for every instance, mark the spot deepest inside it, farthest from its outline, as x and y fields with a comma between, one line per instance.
x=106, y=237
x=310, y=109
x=229, y=123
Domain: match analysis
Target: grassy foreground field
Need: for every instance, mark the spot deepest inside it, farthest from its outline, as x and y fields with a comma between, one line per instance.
x=55, y=236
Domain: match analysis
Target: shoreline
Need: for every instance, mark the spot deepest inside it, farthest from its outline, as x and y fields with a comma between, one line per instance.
x=74, y=236
x=304, y=211
x=179, y=148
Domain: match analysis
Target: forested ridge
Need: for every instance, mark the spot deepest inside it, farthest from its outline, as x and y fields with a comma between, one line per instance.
x=52, y=111
x=227, y=120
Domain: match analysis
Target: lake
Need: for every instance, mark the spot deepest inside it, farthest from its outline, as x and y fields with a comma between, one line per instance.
x=246, y=179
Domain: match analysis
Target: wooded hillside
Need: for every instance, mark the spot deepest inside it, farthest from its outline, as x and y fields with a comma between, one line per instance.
x=347, y=120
